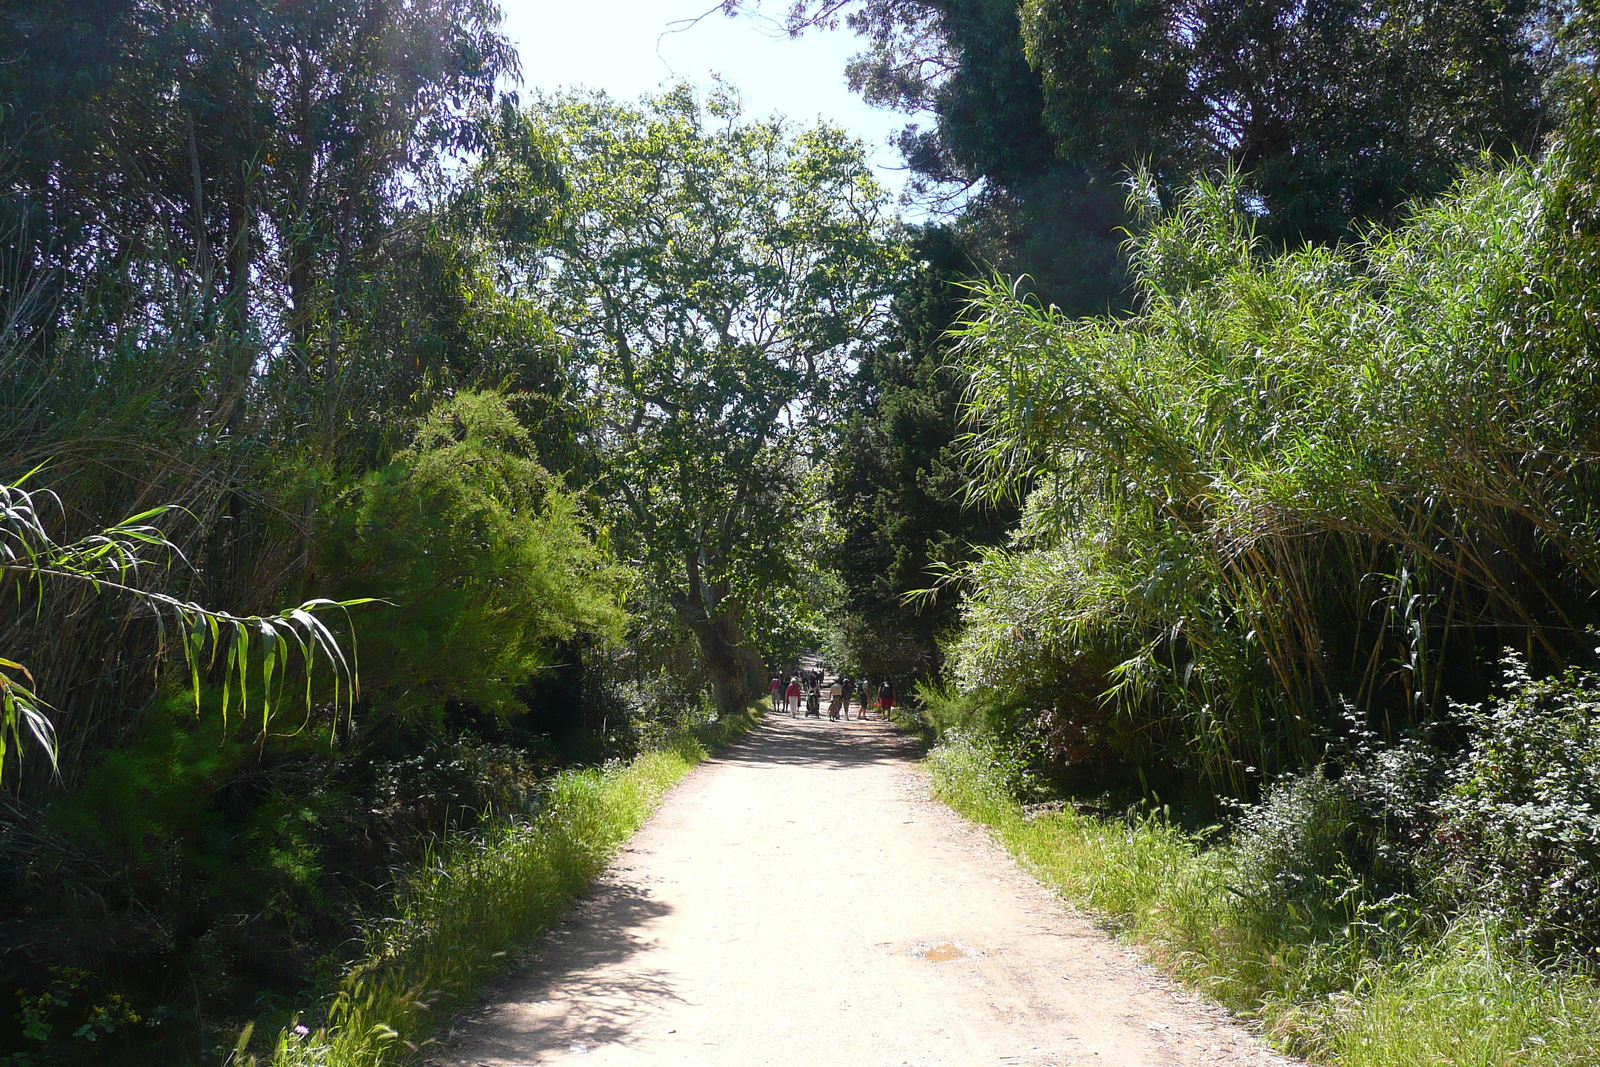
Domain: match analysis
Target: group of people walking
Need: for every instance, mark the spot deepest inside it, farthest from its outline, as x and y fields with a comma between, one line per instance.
x=789, y=691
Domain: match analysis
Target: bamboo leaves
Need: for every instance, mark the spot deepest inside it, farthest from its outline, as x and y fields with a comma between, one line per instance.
x=257, y=653
x=1294, y=480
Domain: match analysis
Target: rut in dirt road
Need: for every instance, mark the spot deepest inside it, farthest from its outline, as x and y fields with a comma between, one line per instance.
x=800, y=900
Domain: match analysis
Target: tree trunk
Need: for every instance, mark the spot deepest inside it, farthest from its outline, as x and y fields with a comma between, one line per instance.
x=721, y=643
x=734, y=668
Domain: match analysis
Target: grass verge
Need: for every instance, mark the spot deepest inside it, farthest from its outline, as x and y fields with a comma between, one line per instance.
x=1367, y=993
x=457, y=917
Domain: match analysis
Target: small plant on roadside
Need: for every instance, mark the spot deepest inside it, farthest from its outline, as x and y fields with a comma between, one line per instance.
x=1520, y=823
x=1294, y=846
x=456, y=914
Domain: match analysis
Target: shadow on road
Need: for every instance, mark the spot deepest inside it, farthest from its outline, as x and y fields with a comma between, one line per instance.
x=575, y=998
x=583, y=1006
x=781, y=740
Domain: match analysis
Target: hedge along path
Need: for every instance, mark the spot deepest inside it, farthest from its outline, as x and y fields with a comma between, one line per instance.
x=799, y=899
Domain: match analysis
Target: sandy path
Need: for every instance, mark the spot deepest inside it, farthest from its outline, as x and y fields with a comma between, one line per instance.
x=800, y=900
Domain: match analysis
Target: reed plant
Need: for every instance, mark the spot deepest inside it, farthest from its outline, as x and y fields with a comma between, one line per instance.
x=457, y=916
x=1296, y=481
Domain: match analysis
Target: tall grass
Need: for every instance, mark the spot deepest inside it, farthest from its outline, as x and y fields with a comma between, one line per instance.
x=456, y=917
x=1297, y=480
x=1370, y=991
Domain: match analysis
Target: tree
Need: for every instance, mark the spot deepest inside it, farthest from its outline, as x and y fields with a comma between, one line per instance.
x=194, y=200
x=714, y=277
x=249, y=153
x=897, y=474
x=1340, y=111
x=979, y=142
x=489, y=560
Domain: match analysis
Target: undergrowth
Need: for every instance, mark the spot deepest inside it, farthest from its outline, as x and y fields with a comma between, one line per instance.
x=458, y=916
x=1376, y=984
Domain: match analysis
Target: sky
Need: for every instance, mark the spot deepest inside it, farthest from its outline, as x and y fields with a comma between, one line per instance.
x=628, y=47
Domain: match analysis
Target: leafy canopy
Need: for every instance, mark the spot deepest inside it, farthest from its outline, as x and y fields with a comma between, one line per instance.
x=715, y=276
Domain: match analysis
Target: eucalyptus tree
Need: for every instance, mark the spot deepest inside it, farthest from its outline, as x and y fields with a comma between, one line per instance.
x=714, y=276
x=198, y=199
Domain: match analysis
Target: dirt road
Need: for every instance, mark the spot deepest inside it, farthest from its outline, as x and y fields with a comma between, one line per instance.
x=801, y=901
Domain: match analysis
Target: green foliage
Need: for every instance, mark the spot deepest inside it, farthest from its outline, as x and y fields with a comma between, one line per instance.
x=486, y=559
x=452, y=785
x=980, y=140
x=1292, y=479
x=1339, y=112
x=1520, y=823
x=153, y=796
x=1294, y=846
x=255, y=653
x=896, y=473
x=73, y=1012
x=977, y=777
x=713, y=276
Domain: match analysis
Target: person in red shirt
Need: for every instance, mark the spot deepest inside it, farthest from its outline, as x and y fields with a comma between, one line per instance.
x=793, y=696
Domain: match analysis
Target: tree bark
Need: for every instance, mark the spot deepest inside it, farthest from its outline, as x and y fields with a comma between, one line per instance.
x=733, y=667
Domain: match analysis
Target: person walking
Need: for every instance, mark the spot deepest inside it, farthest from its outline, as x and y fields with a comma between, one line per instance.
x=792, y=694
x=885, y=699
x=777, y=692
x=835, y=698
x=813, y=703
x=849, y=687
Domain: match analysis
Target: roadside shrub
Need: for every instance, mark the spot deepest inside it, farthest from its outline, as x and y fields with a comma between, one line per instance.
x=1394, y=794
x=971, y=712
x=454, y=918
x=1343, y=855
x=1294, y=846
x=1292, y=471
x=452, y=785
x=486, y=560
x=978, y=777
x=1520, y=824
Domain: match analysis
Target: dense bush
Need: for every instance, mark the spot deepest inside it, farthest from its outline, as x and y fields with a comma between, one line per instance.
x=215, y=869
x=1294, y=846
x=1355, y=829
x=1295, y=479
x=485, y=560
x=211, y=875
x=453, y=785
x=1520, y=823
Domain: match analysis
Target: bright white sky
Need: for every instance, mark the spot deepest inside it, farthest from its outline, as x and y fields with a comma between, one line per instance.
x=624, y=47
